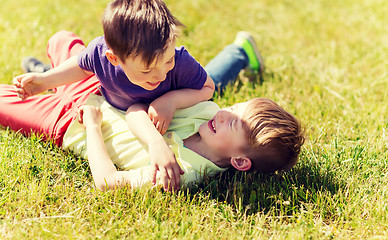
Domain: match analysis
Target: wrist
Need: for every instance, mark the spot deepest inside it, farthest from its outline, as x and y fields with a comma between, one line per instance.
x=157, y=141
x=93, y=126
x=47, y=81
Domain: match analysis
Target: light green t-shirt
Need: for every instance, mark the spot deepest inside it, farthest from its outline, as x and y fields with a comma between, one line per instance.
x=129, y=153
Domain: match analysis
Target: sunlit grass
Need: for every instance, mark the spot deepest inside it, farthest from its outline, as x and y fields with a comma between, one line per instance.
x=326, y=62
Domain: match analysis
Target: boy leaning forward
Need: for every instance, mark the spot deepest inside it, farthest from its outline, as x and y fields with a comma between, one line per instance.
x=136, y=61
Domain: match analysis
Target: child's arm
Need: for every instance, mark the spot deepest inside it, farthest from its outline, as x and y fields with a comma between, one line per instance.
x=162, y=109
x=105, y=174
x=30, y=84
x=161, y=156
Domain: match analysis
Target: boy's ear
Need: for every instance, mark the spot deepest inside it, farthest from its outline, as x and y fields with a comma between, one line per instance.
x=112, y=57
x=241, y=163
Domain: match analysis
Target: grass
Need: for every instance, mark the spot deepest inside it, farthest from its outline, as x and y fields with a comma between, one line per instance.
x=326, y=63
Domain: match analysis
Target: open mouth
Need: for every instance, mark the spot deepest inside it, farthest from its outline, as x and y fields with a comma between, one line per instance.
x=154, y=84
x=212, y=126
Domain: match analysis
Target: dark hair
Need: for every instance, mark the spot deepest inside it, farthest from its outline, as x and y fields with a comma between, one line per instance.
x=139, y=28
x=275, y=136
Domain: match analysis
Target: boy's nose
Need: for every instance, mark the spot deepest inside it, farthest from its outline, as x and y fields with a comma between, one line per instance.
x=160, y=75
x=222, y=115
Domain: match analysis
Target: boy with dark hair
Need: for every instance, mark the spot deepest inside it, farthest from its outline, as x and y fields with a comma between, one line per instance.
x=135, y=62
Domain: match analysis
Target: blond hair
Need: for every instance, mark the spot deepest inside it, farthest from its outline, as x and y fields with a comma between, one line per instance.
x=275, y=136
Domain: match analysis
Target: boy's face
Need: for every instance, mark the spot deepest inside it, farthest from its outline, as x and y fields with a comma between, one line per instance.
x=226, y=134
x=150, y=77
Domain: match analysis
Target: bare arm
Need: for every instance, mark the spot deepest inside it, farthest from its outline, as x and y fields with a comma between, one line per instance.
x=105, y=174
x=188, y=97
x=161, y=156
x=30, y=84
x=162, y=109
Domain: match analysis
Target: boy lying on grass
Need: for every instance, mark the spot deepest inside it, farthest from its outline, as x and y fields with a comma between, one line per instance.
x=257, y=135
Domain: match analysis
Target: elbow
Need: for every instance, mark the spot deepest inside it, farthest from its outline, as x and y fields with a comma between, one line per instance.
x=212, y=90
x=210, y=87
x=210, y=93
x=136, y=108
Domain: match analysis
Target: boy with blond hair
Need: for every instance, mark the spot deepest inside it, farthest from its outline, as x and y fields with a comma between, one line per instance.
x=257, y=135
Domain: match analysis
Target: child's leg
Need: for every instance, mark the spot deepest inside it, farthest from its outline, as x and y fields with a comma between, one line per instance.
x=242, y=53
x=37, y=114
x=225, y=67
x=61, y=46
x=48, y=114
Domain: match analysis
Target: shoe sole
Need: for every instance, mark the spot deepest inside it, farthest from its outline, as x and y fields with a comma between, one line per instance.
x=26, y=62
x=252, y=41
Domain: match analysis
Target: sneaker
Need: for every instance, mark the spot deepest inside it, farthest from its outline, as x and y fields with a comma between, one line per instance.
x=256, y=61
x=31, y=64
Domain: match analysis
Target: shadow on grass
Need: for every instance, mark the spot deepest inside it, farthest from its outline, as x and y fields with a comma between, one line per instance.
x=282, y=194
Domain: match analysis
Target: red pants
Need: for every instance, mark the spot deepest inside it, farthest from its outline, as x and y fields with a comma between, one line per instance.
x=49, y=114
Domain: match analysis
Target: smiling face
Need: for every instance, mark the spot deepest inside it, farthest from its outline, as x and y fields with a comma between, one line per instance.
x=226, y=134
x=147, y=77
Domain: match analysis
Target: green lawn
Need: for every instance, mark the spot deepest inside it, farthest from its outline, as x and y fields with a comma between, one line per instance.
x=326, y=62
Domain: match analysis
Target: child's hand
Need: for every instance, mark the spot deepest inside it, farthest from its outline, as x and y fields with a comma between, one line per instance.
x=161, y=111
x=29, y=84
x=90, y=115
x=163, y=159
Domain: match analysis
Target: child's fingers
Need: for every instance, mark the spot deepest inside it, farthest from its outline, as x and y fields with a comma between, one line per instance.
x=81, y=115
x=25, y=79
x=89, y=115
x=154, y=170
x=168, y=178
x=153, y=117
x=155, y=120
x=160, y=126
x=171, y=180
x=163, y=128
x=20, y=93
x=165, y=179
x=18, y=87
x=19, y=79
x=157, y=125
x=175, y=176
x=16, y=82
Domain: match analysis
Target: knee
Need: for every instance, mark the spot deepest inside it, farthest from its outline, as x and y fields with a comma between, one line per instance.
x=63, y=44
x=62, y=38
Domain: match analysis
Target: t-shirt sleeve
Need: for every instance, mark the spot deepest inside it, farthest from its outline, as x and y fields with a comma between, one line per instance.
x=89, y=57
x=189, y=72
